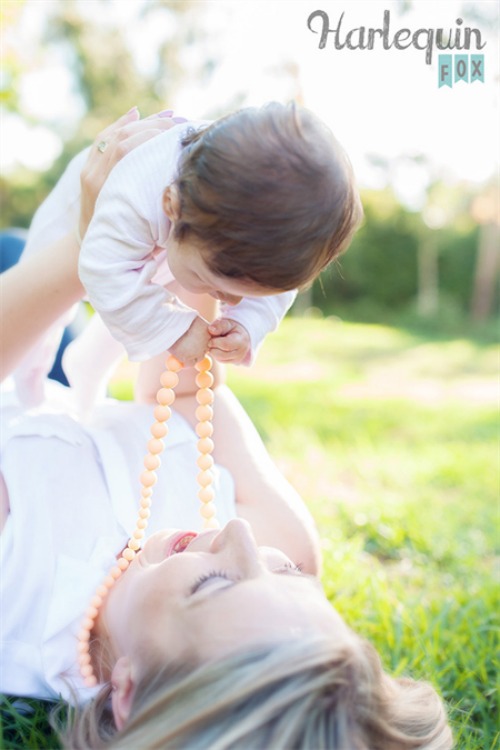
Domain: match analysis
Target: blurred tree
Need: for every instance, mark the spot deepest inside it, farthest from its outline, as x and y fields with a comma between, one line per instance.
x=486, y=211
x=381, y=268
x=11, y=64
x=104, y=68
x=381, y=264
x=105, y=77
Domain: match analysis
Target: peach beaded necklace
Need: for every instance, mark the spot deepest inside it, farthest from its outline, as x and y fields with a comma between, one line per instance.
x=204, y=429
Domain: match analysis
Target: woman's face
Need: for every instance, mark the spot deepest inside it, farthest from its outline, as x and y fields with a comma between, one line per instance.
x=203, y=597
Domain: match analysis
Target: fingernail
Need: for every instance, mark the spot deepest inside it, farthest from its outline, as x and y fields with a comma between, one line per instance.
x=166, y=113
x=134, y=109
x=178, y=120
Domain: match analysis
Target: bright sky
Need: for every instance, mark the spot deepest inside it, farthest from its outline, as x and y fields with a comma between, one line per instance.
x=384, y=103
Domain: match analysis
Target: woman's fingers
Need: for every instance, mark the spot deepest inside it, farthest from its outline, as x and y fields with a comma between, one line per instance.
x=134, y=140
x=128, y=128
x=130, y=116
x=111, y=145
x=163, y=113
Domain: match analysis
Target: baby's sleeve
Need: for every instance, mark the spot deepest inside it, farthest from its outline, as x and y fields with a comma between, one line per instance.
x=117, y=262
x=260, y=316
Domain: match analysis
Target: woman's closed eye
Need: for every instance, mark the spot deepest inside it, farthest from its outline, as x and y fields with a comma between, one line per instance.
x=220, y=576
x=206, y=578
x=289, y=567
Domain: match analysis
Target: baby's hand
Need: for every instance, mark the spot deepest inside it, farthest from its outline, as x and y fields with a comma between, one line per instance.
x=230, y=341
x=193, y=345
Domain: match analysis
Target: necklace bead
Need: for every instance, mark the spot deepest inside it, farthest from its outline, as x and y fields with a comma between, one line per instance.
x=148, y=478
x=165, y=396
x=169, y=379
x=155, y=446
x=151, y=462
x=162, y=413
x=204, y=412
x=204, y=461
x=206, y=494
x=204, y=429
x=205, y=396
x=204, y=379
x=205, y=445
x=159, y=430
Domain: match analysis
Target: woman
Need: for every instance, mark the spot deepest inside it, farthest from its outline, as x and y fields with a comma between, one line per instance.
x=222, y=639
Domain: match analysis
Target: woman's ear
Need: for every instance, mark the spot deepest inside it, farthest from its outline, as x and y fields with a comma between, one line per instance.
x=123, y=691
x=172, y=202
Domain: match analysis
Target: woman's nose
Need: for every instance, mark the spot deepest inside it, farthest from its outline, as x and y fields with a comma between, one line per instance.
x=237, y=542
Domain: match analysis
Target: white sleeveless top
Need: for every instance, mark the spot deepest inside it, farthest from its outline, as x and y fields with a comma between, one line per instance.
x=74, y=494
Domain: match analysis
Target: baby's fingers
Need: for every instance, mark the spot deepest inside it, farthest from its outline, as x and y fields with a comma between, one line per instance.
x=222, y=356
x=229, y=343
x=221, y=327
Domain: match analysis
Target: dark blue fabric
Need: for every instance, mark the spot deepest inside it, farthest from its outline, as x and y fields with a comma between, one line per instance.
x=12, y=243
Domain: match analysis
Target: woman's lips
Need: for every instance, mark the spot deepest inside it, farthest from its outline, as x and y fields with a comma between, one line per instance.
x=178, y=542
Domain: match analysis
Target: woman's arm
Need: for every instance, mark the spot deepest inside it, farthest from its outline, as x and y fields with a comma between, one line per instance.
x=33, y=295
x=276, y=512
x=36, y=292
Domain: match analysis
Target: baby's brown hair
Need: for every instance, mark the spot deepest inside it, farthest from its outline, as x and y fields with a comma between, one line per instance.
x=269, y=194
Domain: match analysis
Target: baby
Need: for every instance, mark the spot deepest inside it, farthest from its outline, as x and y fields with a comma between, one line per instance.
x=246, y=209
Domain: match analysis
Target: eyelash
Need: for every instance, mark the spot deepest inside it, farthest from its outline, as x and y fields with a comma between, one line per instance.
x=221, y=574
x=206, y=576
x=291, y=566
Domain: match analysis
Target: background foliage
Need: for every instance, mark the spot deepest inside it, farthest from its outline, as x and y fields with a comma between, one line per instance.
x=381, y=404
x=401, y=259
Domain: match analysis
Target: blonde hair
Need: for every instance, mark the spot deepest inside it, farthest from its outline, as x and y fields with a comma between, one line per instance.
x=308, y=695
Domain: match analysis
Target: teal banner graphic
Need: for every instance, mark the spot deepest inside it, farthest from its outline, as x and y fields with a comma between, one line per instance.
x=476, y=68
x=445, y=71
x=466, y=68
x=461, y=65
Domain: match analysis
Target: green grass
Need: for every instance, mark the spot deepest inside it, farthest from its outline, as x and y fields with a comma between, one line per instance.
x=392, y=438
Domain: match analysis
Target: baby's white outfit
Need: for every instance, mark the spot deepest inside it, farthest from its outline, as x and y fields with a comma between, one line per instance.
x=123, y=262
x=74, y=494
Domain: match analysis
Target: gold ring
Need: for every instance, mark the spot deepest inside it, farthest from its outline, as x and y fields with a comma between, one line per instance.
x=102, y=146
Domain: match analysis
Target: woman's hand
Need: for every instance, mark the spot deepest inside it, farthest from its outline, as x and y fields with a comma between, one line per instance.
x=111, y=145
x=39, y=289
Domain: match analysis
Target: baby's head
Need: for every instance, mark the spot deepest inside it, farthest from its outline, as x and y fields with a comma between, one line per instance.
x=267, y=195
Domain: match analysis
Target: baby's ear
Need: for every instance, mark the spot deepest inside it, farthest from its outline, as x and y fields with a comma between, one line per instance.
x=172, y=202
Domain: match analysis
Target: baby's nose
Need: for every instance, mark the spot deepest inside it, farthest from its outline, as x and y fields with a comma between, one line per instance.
x=230, y=299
